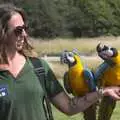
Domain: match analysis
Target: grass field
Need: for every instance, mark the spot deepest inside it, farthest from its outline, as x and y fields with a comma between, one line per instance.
x=86, y=46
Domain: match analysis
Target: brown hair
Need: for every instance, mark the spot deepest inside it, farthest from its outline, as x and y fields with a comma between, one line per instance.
x=6, y=12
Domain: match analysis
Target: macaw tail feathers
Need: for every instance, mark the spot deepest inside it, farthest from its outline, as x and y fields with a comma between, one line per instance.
x=106, y=109
x=89, y=78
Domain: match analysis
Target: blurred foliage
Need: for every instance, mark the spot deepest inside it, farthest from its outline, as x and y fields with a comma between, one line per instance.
x=71, y=18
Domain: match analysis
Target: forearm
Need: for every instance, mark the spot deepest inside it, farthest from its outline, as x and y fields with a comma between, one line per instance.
x=79, y=104
x=75, y=105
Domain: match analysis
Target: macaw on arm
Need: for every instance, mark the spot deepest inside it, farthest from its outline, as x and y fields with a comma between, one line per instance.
x=109, y=77
x=78, y=80
x=111, y=57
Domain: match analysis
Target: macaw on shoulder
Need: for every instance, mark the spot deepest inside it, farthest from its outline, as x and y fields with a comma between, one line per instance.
x=78, y=80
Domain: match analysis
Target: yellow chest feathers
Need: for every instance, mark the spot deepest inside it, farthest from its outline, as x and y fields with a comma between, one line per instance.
x=76, y=78
x=112, y=75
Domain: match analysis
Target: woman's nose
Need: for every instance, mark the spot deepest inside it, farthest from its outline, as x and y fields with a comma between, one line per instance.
x=24, y=33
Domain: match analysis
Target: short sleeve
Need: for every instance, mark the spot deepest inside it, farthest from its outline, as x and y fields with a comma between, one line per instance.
x=53, y=87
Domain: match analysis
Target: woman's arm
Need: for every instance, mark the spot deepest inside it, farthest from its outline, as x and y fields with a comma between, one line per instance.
x=75, y=105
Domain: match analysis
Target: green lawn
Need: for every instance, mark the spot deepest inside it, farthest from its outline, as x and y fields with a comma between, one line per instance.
x=60, y=116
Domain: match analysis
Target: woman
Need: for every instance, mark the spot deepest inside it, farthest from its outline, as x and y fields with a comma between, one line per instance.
x=21, y=94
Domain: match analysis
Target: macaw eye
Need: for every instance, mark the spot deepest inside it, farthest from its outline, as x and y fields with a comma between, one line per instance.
x=105, y=47
x=70, y=54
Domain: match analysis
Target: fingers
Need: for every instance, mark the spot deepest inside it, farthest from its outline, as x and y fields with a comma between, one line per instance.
x=113, y=92
x=118, y=92
x=115, y=96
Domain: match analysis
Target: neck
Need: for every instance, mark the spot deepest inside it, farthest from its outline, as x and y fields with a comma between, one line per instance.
x=15, y=59
x=15, y=65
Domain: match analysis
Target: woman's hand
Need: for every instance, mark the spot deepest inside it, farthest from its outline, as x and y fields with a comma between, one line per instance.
x=113, y=91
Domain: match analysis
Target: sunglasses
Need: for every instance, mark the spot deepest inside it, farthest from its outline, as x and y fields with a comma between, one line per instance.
x=19, y=29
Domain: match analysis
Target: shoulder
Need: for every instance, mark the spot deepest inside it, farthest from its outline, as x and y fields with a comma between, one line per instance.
x=39, y=61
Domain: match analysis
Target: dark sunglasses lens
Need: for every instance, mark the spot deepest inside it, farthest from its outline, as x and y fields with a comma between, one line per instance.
x=25, y=28
x=19, y=29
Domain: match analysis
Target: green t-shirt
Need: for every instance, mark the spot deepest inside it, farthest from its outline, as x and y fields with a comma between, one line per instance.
x=21, y=98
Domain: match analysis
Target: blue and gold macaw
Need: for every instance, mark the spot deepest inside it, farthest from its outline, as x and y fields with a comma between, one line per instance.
x=109, y=77
x=79, y=80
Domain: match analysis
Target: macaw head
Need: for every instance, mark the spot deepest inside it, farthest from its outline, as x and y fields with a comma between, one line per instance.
x=106, y=52
x=68, y=57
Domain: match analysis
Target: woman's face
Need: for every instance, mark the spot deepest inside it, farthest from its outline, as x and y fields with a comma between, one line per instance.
x=16, y=32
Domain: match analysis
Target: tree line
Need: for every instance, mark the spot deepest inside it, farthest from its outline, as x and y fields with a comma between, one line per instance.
x=71, y=18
